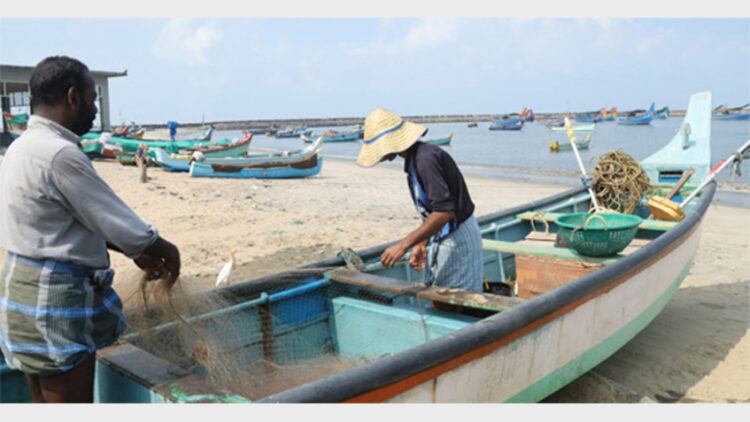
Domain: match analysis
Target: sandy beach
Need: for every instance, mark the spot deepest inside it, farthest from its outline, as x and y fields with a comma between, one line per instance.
x=696, y=350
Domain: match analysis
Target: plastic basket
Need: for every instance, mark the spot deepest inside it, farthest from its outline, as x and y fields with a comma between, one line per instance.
x=601, y=234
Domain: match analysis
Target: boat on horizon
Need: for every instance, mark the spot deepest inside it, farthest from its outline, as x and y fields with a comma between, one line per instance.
x=637, y=117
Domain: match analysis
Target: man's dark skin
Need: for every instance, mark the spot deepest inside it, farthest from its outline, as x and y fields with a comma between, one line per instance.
x=76, y=112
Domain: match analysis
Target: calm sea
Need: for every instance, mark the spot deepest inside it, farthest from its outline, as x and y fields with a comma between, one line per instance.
x=525, y=154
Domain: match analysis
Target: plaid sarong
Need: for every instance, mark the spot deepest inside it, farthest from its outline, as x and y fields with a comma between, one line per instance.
x=54, y=314
x=456, y=260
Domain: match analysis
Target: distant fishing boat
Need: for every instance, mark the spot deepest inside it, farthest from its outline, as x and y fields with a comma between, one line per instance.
x=736, y=113
x=503, y=126
x=577, y=128
x=471, y=124
x=637, y=118
x=555, y=146
x=294, y=133
x=441, y=141
x=661, y=113
x=592, y=117
x=233, y=149
x=333, y=136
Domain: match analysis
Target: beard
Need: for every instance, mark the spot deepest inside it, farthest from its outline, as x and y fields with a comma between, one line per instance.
x=85, y=120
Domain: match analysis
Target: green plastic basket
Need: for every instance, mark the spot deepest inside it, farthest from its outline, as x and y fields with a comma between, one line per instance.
x=601, y=234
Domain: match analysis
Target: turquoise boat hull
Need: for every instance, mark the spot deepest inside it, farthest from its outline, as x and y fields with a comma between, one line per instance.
x=199, y=169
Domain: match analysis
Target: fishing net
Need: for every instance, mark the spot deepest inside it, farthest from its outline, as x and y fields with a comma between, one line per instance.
x=276, y=333
x=619, y=182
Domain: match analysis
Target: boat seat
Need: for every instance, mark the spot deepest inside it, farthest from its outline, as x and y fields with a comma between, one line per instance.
x=541, y=266
x=654, y=225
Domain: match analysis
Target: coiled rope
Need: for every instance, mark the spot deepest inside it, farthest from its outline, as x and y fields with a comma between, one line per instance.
x=619, y=181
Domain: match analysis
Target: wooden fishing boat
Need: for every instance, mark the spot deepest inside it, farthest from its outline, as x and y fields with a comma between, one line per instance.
x=15, y=123
x=293, y=133
x=735, y=113
x=565, y=314
x=555, y=146
x=135, y=135
x=517, y=126
x=577, y=128
x=233, y=149
x=592, y=117
x=176, y=162
x=661, y=113
x=471, y=124
x=332, y=136
x=120, y=131
x=304, y=166
x=441, y=141
x=637, y=118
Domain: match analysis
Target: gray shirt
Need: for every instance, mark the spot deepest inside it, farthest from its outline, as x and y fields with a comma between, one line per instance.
x=53, y=204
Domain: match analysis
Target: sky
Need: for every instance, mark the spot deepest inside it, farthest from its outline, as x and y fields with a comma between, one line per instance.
x=215, y=68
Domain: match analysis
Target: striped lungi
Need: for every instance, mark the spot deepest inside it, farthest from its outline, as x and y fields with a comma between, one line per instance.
x=456, y=260
x=54, y=314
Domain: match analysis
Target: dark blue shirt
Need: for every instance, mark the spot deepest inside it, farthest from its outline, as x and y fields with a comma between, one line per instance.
x=441, y=180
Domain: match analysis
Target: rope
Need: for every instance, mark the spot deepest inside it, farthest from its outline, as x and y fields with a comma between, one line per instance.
x=540, y=215
x=619, y=181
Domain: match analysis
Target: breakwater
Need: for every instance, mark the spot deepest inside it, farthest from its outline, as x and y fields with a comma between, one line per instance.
x=353, y=121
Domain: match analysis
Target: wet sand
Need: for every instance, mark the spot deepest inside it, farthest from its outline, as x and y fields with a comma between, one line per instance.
x=696, y=350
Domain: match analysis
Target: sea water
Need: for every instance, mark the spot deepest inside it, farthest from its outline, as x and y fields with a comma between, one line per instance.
x=525, y=154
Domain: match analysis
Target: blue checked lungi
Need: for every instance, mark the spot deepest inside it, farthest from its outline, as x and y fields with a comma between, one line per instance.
x=456, y=261
x=54, y=314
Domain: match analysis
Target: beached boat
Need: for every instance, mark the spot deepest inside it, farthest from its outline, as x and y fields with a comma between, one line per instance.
x=175, y=162
x=637, y=117
x=566, y=313
x=441, y=141
x=332, y=136
x=15, y=123
x=576, y=128
x=516, y=126
x=305, y=166
x=555, y=146
x=135, y=134
x=233, y=149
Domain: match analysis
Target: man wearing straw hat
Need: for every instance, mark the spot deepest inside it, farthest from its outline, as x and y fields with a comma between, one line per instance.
x=441, y=197
x=58, y=218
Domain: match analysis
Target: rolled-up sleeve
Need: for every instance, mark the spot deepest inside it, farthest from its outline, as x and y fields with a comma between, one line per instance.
x=96, y=206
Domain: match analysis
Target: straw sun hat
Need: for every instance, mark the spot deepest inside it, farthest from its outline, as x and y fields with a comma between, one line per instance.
x=386, y=133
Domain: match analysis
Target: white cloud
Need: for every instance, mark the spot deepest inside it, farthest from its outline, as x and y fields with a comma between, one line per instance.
x=430, y=33
x=182, y=41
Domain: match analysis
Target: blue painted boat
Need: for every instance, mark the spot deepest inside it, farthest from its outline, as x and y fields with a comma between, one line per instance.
x=349, y=331
x=293, y=133
x=638, y=119
x=305, y=166
x=736, y=113
x=576, y=128
x=332, y=136
x=172, y=162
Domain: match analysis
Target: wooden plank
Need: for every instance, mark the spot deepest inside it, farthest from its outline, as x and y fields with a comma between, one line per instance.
x=539, y=249
x=656, y=225
x=548, y=239
x=536, y=275
x=438, y=294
